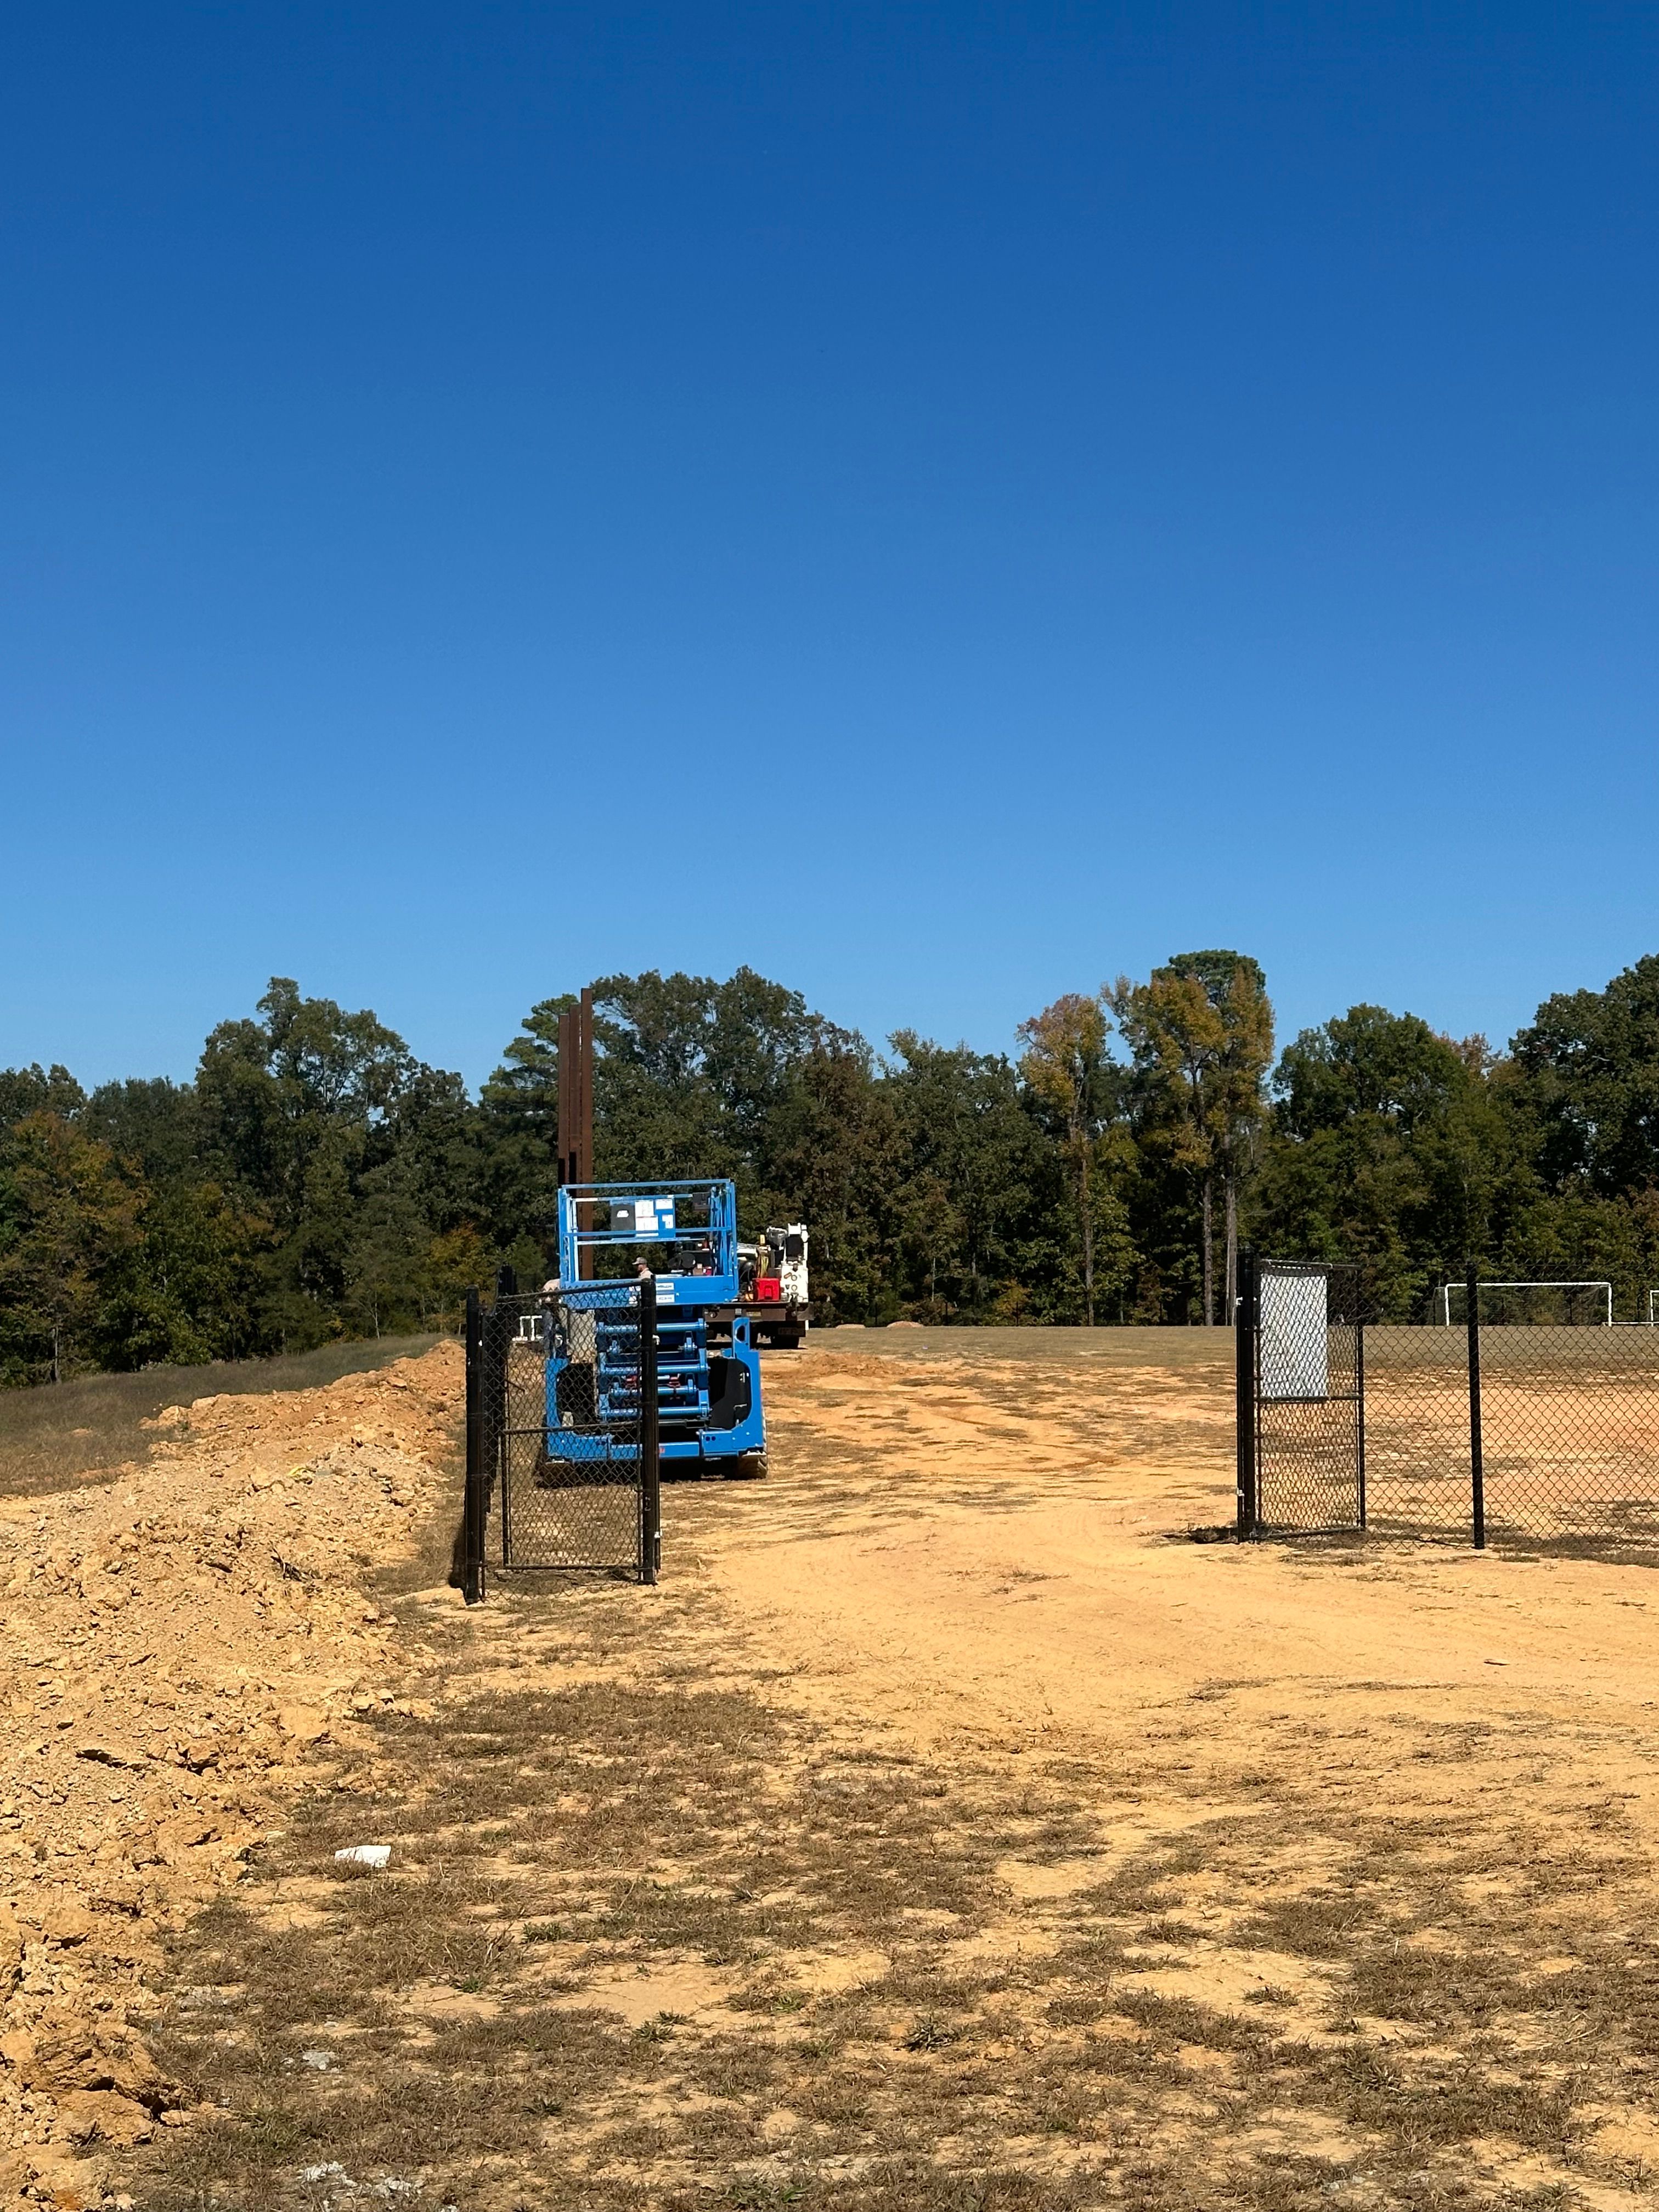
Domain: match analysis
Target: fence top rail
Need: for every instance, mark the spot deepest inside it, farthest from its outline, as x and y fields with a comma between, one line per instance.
x=1604, y=1287
x=1359, y=1305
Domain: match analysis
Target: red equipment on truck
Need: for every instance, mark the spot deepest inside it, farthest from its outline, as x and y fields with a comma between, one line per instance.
x=773, y=1290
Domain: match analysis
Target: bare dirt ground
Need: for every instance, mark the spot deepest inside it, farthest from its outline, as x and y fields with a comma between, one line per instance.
x=948, y=1830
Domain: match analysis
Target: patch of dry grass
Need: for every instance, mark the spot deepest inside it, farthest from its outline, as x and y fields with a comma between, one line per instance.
x=548, y=1845
x=53, y=1435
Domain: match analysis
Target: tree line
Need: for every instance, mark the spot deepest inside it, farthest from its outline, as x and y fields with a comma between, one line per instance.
x=315, y=1179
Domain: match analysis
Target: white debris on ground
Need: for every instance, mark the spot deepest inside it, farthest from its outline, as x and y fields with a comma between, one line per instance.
x=172, y=1642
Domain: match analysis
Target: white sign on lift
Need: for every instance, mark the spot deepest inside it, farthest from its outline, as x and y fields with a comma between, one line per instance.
x=1295, y=1349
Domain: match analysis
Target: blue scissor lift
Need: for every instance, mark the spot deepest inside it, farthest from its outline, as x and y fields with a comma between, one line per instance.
x=709, y=1389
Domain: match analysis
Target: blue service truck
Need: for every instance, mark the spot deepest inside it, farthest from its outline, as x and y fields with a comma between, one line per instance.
x=708, y=1385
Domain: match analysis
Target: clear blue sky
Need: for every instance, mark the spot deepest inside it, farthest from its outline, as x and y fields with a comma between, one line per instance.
x=941, y=504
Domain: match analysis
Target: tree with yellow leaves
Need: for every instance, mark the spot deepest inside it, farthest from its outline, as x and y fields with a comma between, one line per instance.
x=1065, y=1065
x=1201, y=1031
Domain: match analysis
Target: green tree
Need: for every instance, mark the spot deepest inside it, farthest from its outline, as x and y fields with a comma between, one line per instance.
x=188, y=1287
x=1393, y=1145
x=153, y=1125
x=976, y=1192
x=298, y=1111
x=1177, y=1038
x=385, y=1254
x=1588, y=1066
x=38, y=1090
x=692, y=1077
x=1237, y=1104
x=836, y=1152
x=1065, y=1065
x=67, y=1211
x=275, y=1094
x=457, y=1260
x=1200, y=1031
x=517, y=1130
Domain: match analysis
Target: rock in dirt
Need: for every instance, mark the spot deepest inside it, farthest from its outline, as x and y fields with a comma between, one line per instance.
x=106, y=1754
x=88, y=2116
x=303, y=1723
x=69, y=2184
x=65, y=1920
x=114, y=2059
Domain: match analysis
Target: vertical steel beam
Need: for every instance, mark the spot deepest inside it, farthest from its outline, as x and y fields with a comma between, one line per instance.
x=576, y=1104
x=566, y=1112
x=585, y=1080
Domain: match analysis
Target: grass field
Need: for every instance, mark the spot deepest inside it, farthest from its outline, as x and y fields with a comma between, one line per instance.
x=55, y=1434
x=950, y=1831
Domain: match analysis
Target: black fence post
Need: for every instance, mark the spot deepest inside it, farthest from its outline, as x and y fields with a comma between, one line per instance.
x=496, y=1353
x=650, y=1440
x=1246, y=1309
x=1477, y=1471
x=473, y=1495
x=1359, y=1393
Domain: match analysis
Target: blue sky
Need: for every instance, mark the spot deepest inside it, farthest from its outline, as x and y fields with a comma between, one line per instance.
x=941, y=504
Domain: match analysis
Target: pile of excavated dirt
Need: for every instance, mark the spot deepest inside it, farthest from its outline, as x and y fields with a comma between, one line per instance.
x=173, y=1640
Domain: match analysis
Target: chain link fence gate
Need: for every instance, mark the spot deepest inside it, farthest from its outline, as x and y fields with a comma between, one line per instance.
x=1531, y=1421
x=563, y=1467
x=1301, y=1384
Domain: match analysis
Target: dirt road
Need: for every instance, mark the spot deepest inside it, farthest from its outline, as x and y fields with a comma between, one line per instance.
x=951, y=1828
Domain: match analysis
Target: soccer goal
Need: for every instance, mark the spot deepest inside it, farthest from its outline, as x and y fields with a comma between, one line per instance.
x=1536, y=1305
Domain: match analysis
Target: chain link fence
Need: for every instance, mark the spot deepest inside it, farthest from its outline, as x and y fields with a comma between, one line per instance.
x=562, y=1448
x=1304, y=1385
x=1516, y=1413
x=1418, y=1468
